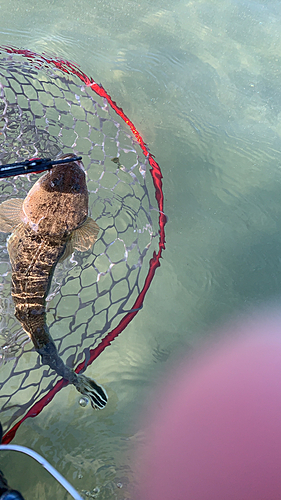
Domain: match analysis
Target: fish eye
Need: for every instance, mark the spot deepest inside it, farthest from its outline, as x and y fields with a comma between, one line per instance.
x=55, y=182
x=76, y=187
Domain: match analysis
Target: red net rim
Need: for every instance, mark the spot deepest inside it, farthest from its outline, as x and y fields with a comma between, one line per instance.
x=155, y=171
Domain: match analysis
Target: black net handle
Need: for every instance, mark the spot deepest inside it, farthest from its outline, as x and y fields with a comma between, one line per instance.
x=33, y=166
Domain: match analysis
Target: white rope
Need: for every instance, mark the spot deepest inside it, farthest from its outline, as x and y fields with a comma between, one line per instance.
x=46, y=465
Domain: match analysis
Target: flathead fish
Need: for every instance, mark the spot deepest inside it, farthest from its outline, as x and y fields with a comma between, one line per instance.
x=47, y=226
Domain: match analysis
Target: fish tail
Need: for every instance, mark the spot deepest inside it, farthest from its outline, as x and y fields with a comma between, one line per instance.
x=85, y=385
x=95, y=392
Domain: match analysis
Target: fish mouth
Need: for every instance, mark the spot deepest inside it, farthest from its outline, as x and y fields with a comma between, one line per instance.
x=69, y=156
x=79, y=164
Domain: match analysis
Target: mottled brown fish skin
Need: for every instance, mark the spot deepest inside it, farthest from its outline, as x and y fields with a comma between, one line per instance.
x=33, y=259
x=46, y=227
x=55, y=206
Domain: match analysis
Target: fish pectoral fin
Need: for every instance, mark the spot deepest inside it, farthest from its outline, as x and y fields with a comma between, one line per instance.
x=10, y=211
x=85, y=236
x=13, y=242
x=68, y=251
x=82, y=238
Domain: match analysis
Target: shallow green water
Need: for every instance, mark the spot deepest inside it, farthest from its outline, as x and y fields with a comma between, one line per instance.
x=201, y=81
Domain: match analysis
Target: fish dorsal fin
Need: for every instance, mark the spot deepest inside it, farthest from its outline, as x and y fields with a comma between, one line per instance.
x=82, y=238
x=10, y=211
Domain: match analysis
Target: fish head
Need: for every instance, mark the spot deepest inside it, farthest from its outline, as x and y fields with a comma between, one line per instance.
x=68, y=178
x=58, y=202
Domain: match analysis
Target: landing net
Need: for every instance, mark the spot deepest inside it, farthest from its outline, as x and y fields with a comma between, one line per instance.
x=48, y=107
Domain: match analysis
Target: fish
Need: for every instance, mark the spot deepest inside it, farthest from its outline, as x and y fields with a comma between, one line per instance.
x=47, y=227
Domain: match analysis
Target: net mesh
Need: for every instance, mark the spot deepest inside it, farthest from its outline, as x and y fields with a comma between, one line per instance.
x=48, y=107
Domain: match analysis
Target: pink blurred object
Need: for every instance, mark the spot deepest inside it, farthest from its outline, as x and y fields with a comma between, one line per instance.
x=215, y=431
